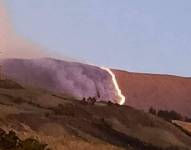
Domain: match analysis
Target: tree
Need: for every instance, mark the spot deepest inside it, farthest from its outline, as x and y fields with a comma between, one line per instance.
x=169, y=115
x=187, y=119
x=152, y=111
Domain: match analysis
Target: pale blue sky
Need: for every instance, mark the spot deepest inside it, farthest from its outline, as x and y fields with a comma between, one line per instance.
x=136, y=35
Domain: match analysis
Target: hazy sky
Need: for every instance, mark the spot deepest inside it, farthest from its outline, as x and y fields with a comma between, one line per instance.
x=136, y=35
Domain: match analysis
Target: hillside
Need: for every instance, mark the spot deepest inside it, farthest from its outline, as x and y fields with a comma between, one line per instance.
x=158, y=91
x=142, y=91
x=72, y=78
x=64, y=123
x=9, y=84
x=185, y=126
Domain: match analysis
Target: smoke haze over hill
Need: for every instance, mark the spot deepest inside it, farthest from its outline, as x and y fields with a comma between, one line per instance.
x=11, y=44
x=76, y=79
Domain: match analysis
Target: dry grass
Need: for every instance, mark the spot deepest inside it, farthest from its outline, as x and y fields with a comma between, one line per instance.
x=185, y=125
x=78, y=126
x=61, y=142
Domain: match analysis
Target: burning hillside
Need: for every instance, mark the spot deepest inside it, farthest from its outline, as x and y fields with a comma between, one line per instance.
x=81, y=80
x=75, y=79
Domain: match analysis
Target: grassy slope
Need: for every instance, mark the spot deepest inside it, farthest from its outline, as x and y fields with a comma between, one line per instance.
x=74, y=125
x=185, y=126
x=163, y=92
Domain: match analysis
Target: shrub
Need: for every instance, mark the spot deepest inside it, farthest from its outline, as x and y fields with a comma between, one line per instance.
x=152, y=111
x=31, y=144
x=10, y=141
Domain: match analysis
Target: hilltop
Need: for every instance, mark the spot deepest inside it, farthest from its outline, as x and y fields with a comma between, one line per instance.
x=142, y=91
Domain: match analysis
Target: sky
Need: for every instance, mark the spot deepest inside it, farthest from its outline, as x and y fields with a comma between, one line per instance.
x=135, y=35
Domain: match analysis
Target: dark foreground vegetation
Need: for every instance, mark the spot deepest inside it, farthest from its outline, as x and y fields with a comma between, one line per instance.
x=10, y=141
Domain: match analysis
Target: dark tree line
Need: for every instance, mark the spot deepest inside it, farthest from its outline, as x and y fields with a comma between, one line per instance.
x=169, y=115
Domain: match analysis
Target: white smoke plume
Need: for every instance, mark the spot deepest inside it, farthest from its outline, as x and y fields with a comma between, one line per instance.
x=77, y=79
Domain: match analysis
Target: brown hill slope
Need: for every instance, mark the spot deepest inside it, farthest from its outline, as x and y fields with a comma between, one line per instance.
x=65, y=123
x=82, y=80
x=9, y=84
x=186, y=126
x=159, y=91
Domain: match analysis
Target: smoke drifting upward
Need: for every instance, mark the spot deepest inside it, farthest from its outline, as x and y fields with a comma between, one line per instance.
x=11, y=44
x=76, y=79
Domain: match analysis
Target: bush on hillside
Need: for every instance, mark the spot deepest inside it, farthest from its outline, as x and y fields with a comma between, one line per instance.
x=152, y=111
x=169, y=115
x=10, y=141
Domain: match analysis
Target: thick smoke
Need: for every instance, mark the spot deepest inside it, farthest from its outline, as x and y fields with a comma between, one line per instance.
x=11, y=44
x=76, y=79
